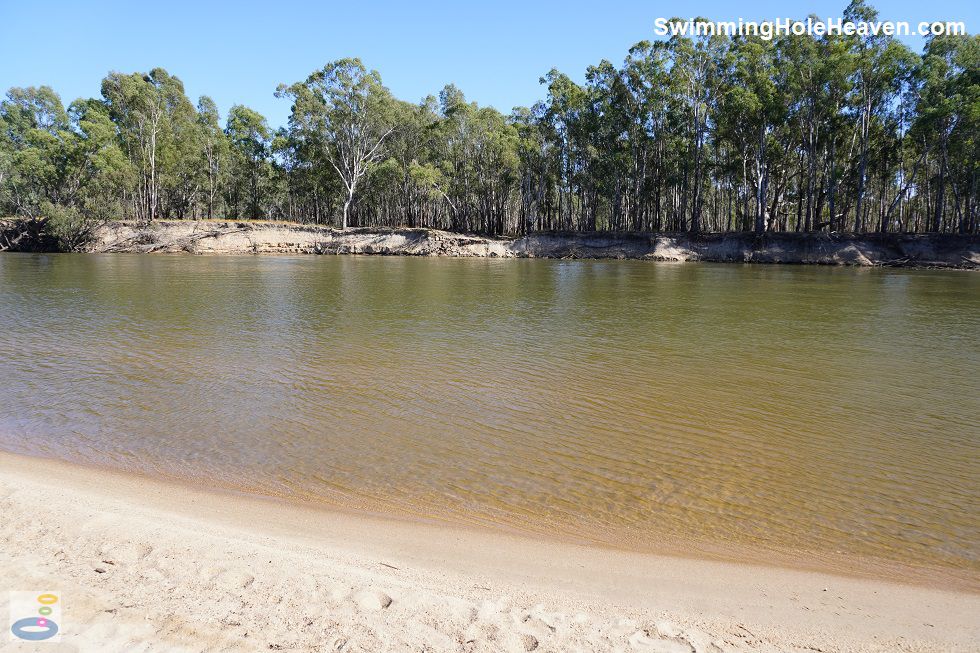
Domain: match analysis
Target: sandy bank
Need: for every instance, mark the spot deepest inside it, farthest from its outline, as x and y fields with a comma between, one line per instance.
x=145, y=565
x=218, y=237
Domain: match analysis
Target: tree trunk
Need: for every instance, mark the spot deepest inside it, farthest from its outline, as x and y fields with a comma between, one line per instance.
x=760, y=217
x=343, y=223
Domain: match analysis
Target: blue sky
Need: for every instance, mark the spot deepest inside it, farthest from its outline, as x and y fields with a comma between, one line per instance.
x=238, y=52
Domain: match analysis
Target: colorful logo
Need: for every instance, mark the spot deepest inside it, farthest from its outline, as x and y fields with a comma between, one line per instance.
x=34, y=616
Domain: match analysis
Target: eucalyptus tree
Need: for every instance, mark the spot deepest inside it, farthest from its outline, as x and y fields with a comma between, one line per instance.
x=847, y=132
x=6, y=167
x=754, y=108
x=409, y=186
x=346, y=110
x=36, y=135
x=882, y=64
x=694, y=71
x=146, y=109
x=250, y=139
x=817, y=87
x=105, y=171
x=949, y=105
x=452, y=169
x=561, y=119
x=214, y=149
x=183, y=171
x=63, y=170
x=964, y=152
x=475, y=163
x=533, y=155
x=646, y=79
x=33, y=108
x=496, y=166
x=605, y=148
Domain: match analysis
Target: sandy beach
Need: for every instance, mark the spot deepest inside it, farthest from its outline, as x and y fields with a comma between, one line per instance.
x=145, y=565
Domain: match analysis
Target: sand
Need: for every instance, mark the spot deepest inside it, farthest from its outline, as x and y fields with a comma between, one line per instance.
x=147, y=565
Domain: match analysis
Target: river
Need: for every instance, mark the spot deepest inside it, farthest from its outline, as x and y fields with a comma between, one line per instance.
x=807, y=411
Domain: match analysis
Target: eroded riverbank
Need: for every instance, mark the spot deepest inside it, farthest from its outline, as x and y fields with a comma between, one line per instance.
x=228, y=237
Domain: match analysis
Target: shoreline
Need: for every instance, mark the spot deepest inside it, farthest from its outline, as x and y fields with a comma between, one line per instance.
x=161, y=546
x=838, y=564
x=270, y=237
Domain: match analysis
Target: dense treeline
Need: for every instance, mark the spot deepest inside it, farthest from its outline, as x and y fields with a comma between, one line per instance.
x=840, y=133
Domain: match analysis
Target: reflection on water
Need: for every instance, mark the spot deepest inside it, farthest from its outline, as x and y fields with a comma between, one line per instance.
x=626, y=402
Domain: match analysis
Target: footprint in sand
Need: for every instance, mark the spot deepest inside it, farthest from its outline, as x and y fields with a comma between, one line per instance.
x=333, y=593
x=232, y=580
x=372, y=600
x=127, y=553
x=643, y=641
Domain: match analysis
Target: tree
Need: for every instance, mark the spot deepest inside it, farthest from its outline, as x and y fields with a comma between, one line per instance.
x=346, y=110
x=881, y=65
x=754, y=108
x=37, y=139
x=149, y=110
x=249, y=136
x=61, y=170
x=949, y=104
x=105, y=171
x=694, y=72
x=214, y=149
x=845, y=132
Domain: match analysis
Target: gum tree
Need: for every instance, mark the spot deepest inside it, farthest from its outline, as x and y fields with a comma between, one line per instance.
x=347, y=112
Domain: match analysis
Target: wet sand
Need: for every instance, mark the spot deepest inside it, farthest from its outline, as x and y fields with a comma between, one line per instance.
x=146, y=565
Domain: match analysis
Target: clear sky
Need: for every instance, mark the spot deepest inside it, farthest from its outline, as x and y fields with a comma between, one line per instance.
x=238, y=52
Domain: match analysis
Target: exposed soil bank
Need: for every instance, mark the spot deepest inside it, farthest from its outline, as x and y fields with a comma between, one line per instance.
x=216, y=237
x=228, y=237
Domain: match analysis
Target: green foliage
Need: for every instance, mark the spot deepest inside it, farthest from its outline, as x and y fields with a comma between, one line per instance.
x=709, y=133
x=342, y=114
x=68, y=225
x=249, y=138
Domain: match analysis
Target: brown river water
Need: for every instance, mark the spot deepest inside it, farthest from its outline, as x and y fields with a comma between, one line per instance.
x=716, y=408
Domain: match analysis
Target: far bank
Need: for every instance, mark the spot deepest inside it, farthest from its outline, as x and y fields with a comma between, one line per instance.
x=260, y=237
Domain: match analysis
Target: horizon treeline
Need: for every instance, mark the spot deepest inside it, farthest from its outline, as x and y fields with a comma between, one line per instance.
x=853, y=133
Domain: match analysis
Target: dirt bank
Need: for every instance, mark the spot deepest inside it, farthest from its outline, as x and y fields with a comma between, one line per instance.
x=227, y=237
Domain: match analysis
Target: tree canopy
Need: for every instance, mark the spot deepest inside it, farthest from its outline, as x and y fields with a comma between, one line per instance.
x=706, y=133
